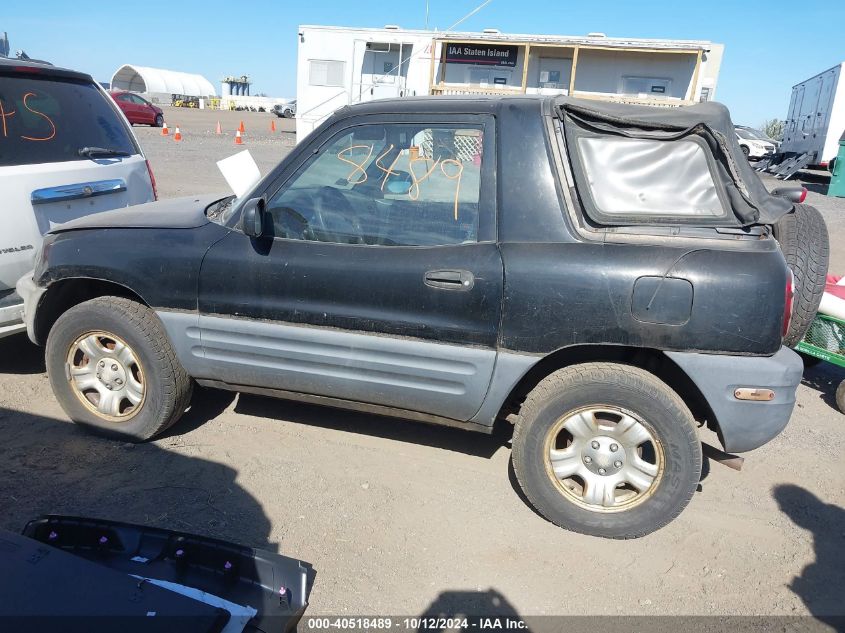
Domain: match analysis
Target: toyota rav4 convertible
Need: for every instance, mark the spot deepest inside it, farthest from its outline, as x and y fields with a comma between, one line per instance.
x=607, y=278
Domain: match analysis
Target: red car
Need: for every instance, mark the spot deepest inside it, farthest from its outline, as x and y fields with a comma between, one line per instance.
x=137, y=109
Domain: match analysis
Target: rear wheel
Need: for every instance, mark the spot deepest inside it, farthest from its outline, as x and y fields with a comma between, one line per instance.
x=606, y=449
x=113, y=370
x=802, y=235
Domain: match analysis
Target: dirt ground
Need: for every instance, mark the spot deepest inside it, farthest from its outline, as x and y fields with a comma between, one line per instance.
x=399, y=518
x=188, y=167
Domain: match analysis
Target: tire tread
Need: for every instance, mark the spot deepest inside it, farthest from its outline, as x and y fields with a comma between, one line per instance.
x=804, y=240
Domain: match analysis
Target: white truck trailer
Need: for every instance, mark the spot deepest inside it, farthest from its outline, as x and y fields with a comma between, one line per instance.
x=816, y=118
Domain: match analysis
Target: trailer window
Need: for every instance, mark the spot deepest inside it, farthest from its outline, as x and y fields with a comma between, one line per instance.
x=325, y=72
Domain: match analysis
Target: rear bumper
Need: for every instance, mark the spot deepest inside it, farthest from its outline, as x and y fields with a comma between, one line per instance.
x=745, y=424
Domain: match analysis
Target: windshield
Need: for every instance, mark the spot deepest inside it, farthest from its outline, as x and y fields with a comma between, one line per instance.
x=49, y=120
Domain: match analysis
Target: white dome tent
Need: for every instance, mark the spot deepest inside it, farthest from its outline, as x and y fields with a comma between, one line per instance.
x=157, y=81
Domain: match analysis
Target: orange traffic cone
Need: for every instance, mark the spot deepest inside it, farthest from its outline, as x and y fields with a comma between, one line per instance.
x=164, y=131
x=241, y=128
x=238, y=139
x=273, y=125
x=177, y=135
x=219, y=131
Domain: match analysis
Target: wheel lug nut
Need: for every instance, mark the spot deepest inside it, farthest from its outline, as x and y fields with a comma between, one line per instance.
x=119, y=381
x=588, y=459
x=595, y=444
x=613, y=448
x=114, y=367
x=102, y=363
x=602, y=471
x=618, y=464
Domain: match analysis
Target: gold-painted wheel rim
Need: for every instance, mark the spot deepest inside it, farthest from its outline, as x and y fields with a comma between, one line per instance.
x=604, y=458
x=106, y=376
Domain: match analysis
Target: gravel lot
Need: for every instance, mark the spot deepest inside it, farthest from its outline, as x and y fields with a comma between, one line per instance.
x=404, y=519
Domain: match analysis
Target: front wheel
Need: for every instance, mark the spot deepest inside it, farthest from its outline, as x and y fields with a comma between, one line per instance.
x=606, y=449
x=113, y=370
x=159, y=121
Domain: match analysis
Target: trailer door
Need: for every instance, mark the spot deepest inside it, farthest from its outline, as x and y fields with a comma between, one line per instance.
x=823, y=117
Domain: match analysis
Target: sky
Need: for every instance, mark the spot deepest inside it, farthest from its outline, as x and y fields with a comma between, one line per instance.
x=769, y=46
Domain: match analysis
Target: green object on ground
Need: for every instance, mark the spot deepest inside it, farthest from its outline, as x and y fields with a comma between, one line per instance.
x=837, y=172
x=825, y=339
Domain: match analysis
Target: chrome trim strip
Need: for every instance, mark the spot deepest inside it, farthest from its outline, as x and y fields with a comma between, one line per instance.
x=78, y=190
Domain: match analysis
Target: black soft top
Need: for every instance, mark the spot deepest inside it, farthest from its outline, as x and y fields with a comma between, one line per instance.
x=750, y=200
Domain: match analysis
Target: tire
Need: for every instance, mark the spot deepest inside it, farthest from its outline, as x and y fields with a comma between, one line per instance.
x=159, y=121
x=622, y=393
x=840, y=396
x=802, y=235
x=86, y=362
x=745, y=151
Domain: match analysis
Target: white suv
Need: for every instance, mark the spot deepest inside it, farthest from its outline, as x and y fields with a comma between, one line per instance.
x=66, y=150
x=754, y=144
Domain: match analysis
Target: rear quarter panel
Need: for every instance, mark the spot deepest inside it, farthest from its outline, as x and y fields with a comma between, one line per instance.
x=558, y=295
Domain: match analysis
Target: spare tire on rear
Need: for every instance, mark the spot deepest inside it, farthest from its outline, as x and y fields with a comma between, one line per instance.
x=802, y=235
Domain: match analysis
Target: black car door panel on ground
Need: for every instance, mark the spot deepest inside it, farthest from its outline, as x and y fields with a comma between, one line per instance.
x=371, y=283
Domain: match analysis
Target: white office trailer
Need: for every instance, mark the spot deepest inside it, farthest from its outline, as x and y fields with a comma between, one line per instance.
x=338, y=66
x=816, y=117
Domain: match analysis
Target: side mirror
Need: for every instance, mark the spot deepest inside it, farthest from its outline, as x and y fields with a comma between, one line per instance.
x=252, y=217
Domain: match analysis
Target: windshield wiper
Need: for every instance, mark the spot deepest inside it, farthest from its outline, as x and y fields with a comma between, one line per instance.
x=91, y=152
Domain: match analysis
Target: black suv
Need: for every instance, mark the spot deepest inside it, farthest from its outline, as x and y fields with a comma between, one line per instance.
x=602, y=276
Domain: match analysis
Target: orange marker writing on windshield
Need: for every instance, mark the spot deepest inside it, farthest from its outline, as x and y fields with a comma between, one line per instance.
x=41, y=114
x=3, y=115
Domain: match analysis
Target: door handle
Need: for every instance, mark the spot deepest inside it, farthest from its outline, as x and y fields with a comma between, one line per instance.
x=449, y=279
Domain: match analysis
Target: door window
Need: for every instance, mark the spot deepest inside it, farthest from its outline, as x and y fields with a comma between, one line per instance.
x=386, y=185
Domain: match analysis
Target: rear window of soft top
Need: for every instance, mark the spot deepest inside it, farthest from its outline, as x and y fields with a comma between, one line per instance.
x=49, y=119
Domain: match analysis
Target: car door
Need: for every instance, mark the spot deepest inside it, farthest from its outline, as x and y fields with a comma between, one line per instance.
x=124, y=101
x=379, y=279
x=145, y=111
